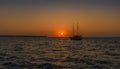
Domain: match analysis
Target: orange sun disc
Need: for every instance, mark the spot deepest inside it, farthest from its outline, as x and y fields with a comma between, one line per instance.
x=61, y=33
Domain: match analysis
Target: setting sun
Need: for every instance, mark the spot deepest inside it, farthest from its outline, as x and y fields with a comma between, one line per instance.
x=61, y=33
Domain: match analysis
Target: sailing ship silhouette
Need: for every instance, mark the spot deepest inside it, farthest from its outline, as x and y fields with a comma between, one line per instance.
x=76, y=35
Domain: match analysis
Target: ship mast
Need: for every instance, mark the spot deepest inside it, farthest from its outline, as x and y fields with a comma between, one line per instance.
x=77, y=28
x=73, y=30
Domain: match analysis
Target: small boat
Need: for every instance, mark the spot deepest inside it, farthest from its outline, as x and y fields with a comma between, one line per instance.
x=76, y=35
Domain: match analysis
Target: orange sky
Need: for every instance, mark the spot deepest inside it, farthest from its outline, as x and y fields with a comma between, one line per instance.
x=94, y=20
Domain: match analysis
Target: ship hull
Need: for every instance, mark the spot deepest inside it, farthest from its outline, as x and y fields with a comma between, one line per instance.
x=76, y=38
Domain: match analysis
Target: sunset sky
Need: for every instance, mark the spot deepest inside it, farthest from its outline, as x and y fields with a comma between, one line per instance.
x=56, y=17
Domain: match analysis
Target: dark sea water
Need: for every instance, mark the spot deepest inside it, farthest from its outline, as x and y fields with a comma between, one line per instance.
x=59, y=53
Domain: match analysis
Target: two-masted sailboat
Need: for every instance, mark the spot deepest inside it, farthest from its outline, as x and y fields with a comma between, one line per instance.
x=76, y=35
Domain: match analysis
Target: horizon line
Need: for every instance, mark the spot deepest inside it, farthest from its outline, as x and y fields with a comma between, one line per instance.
x=57, y=36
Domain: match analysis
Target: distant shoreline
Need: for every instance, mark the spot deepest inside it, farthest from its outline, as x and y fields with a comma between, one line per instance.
x=20, y=36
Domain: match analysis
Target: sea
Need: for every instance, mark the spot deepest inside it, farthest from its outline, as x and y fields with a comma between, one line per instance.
x=59, y=53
